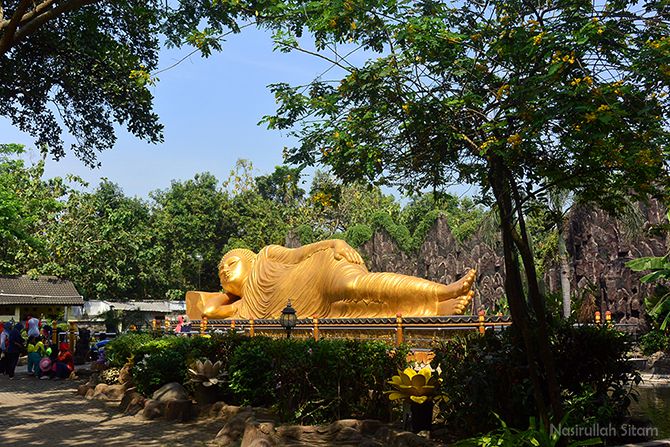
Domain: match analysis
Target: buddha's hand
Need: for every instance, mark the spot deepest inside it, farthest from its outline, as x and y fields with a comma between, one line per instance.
x=344, y=250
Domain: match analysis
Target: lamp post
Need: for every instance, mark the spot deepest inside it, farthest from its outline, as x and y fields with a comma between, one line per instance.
x=198, y=257
x=288, y=319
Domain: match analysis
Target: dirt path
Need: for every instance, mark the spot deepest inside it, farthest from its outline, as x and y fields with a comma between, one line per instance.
x=48, y=412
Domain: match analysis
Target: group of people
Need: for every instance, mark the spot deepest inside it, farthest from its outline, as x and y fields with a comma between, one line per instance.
x=44, y=361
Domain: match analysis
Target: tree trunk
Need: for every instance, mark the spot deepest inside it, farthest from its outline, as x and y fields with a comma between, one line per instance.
x=538, y=304
x=565, y=274
x=514, y=286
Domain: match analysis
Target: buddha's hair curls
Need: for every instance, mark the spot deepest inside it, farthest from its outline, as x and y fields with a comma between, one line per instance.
x=241, y=253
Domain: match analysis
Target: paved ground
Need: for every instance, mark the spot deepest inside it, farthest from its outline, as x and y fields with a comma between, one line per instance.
x=37, y=412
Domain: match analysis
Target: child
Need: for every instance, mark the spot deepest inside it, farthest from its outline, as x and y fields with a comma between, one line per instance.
x=64, y=364
x=35, y=350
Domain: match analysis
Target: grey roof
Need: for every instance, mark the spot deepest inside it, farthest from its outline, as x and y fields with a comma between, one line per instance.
x=42, y=290
x=151, y=306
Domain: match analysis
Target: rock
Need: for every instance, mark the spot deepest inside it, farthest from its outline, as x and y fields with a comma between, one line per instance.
x=661, y=364
x=348, y=435
x=100, y=390
x=293, y=433
x=652, y=359
x=125, y=376
x=258, y=434
x=82, y=390
x=132, y=402
x=234, y=428
x=115, y=392
x=178, y=410
x=93, y=380
x=409, y=439
x=152, y=409
x=383, y=434
x=171, y=391
x=370, y=426
x=367, y=442
x=260, y=443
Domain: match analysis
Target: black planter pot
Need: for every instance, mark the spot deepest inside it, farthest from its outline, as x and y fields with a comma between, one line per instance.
x=206, y=395
x=421, y=416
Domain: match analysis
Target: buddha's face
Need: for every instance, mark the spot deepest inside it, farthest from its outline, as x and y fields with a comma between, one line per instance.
x=233, y=273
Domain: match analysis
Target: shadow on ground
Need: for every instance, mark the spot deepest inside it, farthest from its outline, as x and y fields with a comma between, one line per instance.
x=37, y=412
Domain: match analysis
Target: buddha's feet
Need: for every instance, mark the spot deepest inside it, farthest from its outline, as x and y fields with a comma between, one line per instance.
x=456, y=306
x=460, y=288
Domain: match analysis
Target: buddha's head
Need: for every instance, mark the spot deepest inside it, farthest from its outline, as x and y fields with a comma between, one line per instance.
x=234, y=269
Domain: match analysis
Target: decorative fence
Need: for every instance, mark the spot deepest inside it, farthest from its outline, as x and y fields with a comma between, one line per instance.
x=418, y=332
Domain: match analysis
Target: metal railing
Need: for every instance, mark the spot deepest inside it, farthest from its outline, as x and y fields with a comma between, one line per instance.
x=413, y=330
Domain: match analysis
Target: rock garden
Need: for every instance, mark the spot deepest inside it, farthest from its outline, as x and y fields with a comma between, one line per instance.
x=268, y=391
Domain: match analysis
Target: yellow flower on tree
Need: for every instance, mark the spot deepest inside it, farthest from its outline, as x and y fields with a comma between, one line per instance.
x=502, y=90
x=514, y=140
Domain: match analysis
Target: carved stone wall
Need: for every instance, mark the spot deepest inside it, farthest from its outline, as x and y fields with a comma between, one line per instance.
x=441, y=258
x=599, y=248
x=596, y=242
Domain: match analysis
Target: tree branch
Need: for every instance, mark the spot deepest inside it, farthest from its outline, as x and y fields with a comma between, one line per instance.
x=36, y=11
x=10, y=29
x=319, y=55
x=32, y=26
x=23, y=23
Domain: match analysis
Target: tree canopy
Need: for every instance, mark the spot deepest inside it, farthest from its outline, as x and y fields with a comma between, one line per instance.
x=117, y=247
x=516, y=97
x=79, y=65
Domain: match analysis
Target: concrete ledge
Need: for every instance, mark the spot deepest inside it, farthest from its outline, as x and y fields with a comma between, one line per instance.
x=650, y=380
x=657, y=443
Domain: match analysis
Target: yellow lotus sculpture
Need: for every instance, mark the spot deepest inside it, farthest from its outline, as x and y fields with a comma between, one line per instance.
x=324, y=279
x=416, y=386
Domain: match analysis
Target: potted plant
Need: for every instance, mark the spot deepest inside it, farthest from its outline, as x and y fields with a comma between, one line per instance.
x=206, y=377
x=420, y=389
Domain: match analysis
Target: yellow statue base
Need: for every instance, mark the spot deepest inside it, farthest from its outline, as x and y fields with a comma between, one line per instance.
x=327, y=279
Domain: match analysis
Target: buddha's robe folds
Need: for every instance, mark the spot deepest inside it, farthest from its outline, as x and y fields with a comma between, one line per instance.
x=322, y=286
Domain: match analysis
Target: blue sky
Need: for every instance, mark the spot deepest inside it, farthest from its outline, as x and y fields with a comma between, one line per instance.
x=210, y=109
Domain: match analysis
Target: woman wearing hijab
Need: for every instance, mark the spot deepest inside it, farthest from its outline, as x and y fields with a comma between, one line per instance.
x=4, y=330
x=15, y=345
x=64, y=364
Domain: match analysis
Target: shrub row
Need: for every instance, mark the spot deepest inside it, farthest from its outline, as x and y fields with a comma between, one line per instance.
x=302, y=380
x=488, y=376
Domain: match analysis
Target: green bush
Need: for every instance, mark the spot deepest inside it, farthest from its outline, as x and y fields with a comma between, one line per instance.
x=303, y=380
x=488, y=375
x=157, y=369
x=536, y=435
x=119, y=349
x=163, y=360
x=654, y=341
x=313, y=382
x=593, y=372
x=358, y=235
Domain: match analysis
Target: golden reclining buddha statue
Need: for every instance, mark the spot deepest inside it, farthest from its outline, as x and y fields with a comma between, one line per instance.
x=327, y=279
